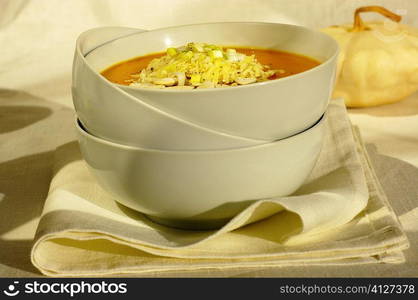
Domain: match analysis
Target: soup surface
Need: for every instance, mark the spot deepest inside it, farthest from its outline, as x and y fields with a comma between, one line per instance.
x=285, y=63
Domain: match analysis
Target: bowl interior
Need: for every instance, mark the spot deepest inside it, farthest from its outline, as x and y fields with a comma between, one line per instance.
x=283, y=37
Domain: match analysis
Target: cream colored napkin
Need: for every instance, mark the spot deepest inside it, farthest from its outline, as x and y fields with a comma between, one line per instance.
x=339, y=216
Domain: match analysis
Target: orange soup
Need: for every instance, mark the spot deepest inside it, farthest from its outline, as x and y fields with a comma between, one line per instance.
x=286, y=63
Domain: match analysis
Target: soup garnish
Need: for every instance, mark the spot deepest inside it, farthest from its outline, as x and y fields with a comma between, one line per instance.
x=200, y=65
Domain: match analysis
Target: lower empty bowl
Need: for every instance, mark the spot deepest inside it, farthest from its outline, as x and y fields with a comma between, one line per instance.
x=200, y=189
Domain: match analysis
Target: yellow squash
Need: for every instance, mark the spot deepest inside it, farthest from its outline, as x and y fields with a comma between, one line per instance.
x=378, y=61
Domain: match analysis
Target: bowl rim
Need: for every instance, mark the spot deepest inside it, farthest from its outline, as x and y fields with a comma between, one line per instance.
x=83, y=131
x=209, y=90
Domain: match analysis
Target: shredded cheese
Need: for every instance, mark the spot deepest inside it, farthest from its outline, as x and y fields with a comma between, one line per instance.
x=199, y=65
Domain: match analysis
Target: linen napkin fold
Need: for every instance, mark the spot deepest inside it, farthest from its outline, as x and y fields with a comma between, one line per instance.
x=339, y=216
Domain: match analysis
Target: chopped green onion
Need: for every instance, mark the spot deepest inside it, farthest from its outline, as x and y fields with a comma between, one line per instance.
x=195, y=79
x=172, y=51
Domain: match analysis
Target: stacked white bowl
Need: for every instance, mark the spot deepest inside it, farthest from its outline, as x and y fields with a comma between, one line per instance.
x=196, y=158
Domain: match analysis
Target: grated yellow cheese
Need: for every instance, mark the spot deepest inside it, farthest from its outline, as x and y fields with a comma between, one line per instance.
x=201, y=65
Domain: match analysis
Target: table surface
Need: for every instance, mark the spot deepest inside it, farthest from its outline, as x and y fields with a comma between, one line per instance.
x=36, y=113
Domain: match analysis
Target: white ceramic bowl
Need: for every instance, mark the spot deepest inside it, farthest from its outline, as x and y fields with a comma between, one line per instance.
x=269, y=110
x=200, y=189
x=111, y=113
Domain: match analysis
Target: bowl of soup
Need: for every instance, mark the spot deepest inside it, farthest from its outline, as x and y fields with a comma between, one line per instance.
x=200, y=189
x=288, y=102
x=109, y=112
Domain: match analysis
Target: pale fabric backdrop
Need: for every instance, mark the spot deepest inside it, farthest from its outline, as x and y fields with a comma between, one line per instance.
x=37, y=37
x=37, y=41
